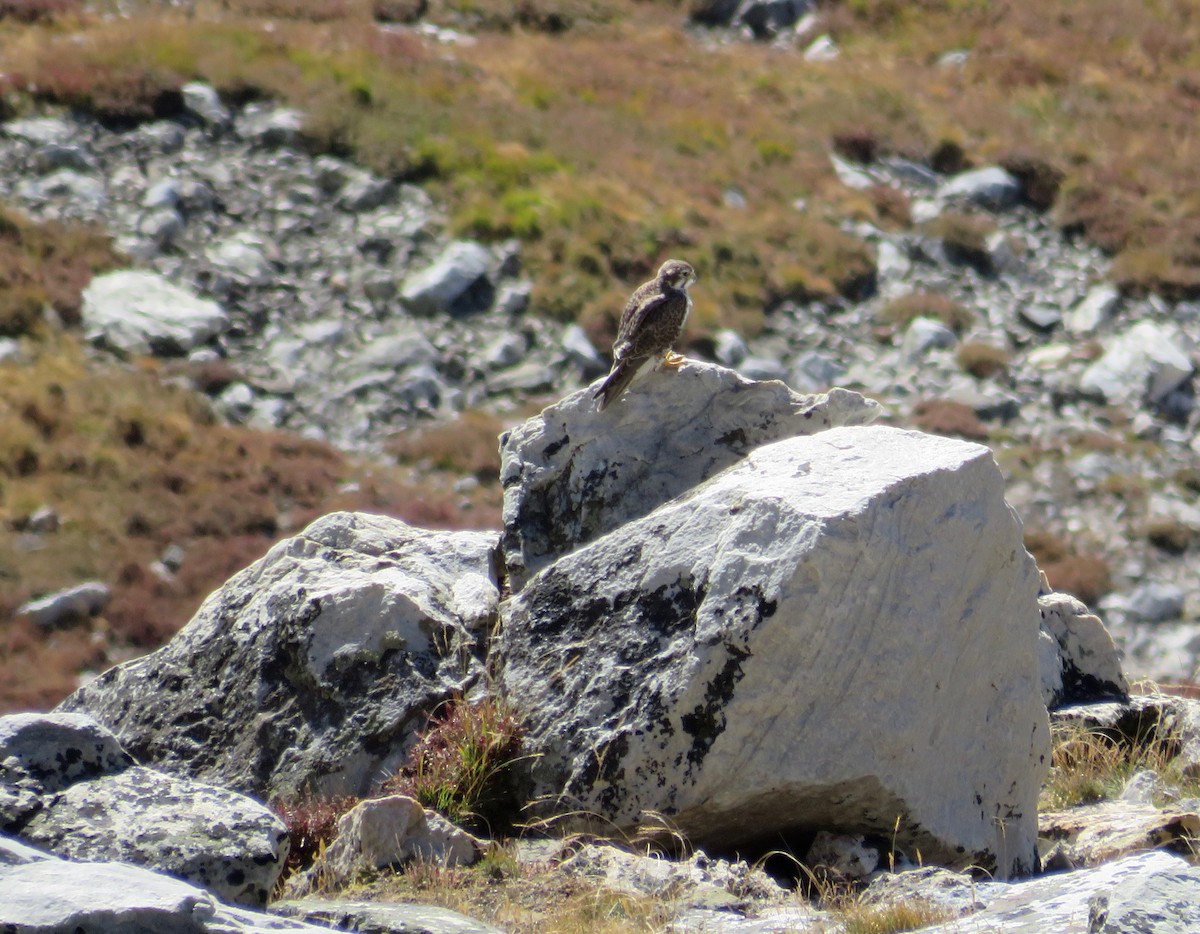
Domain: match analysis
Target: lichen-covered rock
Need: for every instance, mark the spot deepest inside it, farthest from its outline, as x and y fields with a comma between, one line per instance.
x=42, y=894
x=310, y=669
x=218, y=839
x=1080, y=662
x=571, y=474
x=838, y=633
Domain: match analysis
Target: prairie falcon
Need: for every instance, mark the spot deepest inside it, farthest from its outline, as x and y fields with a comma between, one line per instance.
x=650, y=324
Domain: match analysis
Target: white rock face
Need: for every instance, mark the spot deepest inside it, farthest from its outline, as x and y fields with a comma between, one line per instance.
x=1145, y=362
x=309, y=669
x=1080, y=661
x=572, y=474
x=390, y=831
x=838, y=632
x=143, y=313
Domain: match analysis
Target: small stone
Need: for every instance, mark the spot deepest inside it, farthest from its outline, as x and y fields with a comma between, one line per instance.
x=59, y=156
x=1097, y=307
x=991, y=187
x=815, y=372
x=581, y=351
x=203, y=102
x=456, y=280
x=1041, y=316
x=1155, y=602
x=363, y=192
x=924, y=335
x=67, y=607
x=41, y=131
x=505, y=351
x=729, y=348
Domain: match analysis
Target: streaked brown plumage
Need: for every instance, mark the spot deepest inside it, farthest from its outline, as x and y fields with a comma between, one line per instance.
x=650, y=324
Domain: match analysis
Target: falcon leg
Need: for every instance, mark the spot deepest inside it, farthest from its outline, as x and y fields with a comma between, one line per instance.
x=673, y=361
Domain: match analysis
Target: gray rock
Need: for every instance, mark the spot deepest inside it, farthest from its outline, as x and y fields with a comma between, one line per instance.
x=729, y=348
x=55, y=896
x=699, y=881
x=164, y=194
x=1150, y=893
x=991, y=187
x=389, y=831
x=166, y=136
x=737, y=610
x=364, y=192
x=47, y=752
x=85, y=190
x=162, y=228
x=505, y=351
x=815, y=372
x=924, y=335
x=582, y=352
x=1155, y=602
x=455, y=282
x=397, y=351
x=380, y=290
x=309, y=670
x=223, y=841
x=245, y=256
x=203, y=102
x=44, y=519
x=822, y=49
x=1093, y=310
x=532, y=376
x=68, y=606
x=572, y=474
x=512, y=298
x=270, y=126
x=1145, y=362
x=381, y=918
x=143, y=313
x=1040, y=315
x=1145, y=786
x=59, y=156
x=41, y=131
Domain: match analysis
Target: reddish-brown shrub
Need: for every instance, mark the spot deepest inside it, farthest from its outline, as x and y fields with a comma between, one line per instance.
x=944, y=417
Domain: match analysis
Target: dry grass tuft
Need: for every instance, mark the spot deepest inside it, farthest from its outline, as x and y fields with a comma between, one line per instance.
x=982, y=359
x=900, y=312
x=461, y=765
x=945, y=417
x=1090, y=765
x=890, y=919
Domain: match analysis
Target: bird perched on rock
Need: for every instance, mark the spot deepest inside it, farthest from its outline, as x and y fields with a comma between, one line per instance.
x=650, y=324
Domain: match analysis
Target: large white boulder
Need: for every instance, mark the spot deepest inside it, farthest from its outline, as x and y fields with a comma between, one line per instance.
x=571, y=474
x=142, y=313
x=309, y=670
x=841, y=632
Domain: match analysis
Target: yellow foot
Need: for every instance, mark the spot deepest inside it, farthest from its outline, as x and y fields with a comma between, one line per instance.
x=673, y=361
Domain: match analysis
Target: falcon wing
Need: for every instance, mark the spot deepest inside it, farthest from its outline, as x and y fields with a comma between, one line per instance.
x=639, y=335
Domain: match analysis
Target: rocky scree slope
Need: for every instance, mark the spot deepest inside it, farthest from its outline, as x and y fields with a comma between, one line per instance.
x=349, y=314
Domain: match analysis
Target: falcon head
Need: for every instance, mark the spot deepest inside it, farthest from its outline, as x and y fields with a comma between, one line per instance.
x=676, y=274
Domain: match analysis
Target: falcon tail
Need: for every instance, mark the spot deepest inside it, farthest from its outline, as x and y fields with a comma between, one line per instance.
x=615, y=383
